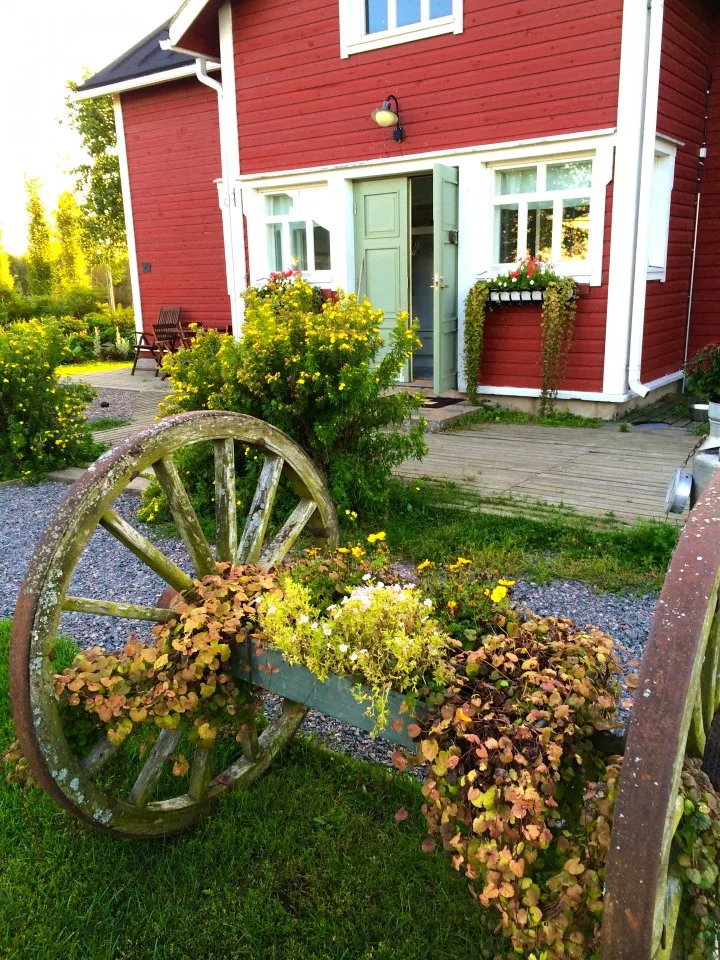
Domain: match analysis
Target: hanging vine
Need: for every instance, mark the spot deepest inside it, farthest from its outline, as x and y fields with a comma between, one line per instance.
x=558, y=316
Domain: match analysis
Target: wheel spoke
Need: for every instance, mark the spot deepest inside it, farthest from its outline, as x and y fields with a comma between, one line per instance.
x=697, y=735
x=152, y=771
x=109, y=608
x=185, y=517
x=225, y=505
x=98, y=756
x=293, y=527
x=709, y=678
x=260, y=510
x=201, y=772
x=146, y=551
x=250, y=742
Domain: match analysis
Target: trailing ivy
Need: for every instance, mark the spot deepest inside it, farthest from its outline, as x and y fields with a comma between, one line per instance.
x=558, y=318
x=475, y=307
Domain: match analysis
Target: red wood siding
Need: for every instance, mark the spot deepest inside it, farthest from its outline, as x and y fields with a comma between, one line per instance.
x=518, y=70
x=173, y=149
x=687, y=45
x=705, y=319
x=511, y=356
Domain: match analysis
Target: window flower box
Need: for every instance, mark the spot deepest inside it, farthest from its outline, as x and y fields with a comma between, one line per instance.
x=501, y=295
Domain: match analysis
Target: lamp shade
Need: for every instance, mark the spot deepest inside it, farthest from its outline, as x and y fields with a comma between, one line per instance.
x=384, y=117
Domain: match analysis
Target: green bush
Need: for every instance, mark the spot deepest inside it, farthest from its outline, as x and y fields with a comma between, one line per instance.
x=42, y=424
x=75, y=303
x=317, y=375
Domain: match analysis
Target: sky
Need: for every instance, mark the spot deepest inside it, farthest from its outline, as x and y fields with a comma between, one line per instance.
x=45, y=43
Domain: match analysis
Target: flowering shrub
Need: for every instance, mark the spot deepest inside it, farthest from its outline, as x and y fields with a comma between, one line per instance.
x=42, y=424
x=319, y=376
x=703, y=372
x=382, y=636
x=530, y=273
x=279, y=283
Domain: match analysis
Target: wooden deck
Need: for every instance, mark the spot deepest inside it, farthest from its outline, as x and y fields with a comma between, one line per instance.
x=592, y=471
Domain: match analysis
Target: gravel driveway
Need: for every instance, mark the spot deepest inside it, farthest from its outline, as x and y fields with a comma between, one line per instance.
x=108, y=571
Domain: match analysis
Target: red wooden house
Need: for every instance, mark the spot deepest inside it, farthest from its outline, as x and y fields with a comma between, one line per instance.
x=584, y=131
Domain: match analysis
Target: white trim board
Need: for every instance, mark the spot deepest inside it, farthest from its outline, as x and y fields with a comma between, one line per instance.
x=138, y=83
x=354, y=39
x=128, y=213
x=185, y=18
x=582, y=394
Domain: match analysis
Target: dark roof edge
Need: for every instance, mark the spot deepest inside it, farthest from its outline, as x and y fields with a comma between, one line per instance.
x=110, y=74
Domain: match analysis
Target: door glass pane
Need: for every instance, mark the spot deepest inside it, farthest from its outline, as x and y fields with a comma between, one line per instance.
x=539, y=229
x=575, y=230
x=298, y=245
x=440, y=8
x=570, y=175
x=520, y=180
x=507, y=232
x=274, y=236
x=321, y=236
x=376, y=15
x=278, y=205
x=408, y=11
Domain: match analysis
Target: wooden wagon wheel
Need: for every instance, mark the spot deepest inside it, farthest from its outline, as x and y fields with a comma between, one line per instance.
x=676, y=714
x=72, y=780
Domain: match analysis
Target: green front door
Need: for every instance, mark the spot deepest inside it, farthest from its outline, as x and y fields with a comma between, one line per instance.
x=445, y=266
x=381, y=249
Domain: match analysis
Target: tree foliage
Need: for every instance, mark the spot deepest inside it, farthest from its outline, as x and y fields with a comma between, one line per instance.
x=6, y=277
x=70, y=266
x=98, y=181
x=39, y=255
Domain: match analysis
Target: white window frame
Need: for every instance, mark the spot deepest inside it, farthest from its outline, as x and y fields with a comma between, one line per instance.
x=659, y=213
x=355, y=39
x=320, y=277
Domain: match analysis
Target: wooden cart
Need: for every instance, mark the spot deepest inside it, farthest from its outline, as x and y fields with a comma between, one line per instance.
x=675, y=713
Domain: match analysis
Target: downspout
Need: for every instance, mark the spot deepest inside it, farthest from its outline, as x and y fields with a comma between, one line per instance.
x=701, y=169
x=648, y=130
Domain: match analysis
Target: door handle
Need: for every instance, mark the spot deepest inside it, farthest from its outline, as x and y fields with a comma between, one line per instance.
x=438, y=284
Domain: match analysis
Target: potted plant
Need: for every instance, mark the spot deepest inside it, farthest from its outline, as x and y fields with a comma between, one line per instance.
x=702, y=377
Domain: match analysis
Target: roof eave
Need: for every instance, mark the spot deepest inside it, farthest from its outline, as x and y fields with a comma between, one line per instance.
x=138, y=83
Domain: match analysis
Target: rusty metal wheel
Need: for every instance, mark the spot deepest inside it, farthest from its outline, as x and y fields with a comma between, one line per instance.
x=80, y=782
x=675, y=716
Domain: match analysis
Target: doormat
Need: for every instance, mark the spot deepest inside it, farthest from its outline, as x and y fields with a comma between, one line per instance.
x=435, y=403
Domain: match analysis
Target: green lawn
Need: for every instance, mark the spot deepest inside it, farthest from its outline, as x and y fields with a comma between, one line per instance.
x=108, y=423
x=93, y=366
x=441, y=522
x=309, y=864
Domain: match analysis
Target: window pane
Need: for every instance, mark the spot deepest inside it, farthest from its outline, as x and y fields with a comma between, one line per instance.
x=298, y=246
x=278, y=205
x=408, y=11
x=376, y=15
x=275, y=257
x=321, y=236
x=507, y=233
x=521, y=180
x=539, y=229
x=575, y=230
x=440, y=8
x=568, y=176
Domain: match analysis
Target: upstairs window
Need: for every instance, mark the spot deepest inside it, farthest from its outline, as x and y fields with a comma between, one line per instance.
x=298, y=232
x=543, y=210
x=370, y=24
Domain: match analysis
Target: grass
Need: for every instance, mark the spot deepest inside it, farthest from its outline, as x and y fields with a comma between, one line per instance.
x=93, y=366
x=493, y=413
x=441, y=522
x=309, y=864
x=107, y=423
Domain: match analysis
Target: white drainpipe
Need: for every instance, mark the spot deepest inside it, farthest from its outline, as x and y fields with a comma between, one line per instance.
x=647, y=133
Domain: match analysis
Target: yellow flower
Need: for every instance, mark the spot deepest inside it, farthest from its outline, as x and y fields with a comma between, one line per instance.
x=341, y=386
x=358, y=552
x=425, y=564
x=506, y=583
x=498, y=594
x=452, y=606
x=343, y=550
x=374, y=537
x=461, y=562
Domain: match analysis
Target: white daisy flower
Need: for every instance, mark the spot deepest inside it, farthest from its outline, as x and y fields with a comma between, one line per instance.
x=304, y=618
x=343, y=648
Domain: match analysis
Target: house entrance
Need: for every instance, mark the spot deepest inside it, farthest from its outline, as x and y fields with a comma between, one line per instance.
x=406, y=260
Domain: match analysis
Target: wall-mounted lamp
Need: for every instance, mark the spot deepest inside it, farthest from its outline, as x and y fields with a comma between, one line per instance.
x=385, y=116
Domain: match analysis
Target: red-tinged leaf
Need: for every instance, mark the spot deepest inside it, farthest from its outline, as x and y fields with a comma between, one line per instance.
x=401, y=815
x=398, y=760
x=428, y=845
x=413, y=731
x=398, y=725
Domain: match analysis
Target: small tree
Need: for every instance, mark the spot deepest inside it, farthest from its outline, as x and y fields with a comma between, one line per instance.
x=39, y=258
x=99, y=184
x=6, y=277
x=71, y=266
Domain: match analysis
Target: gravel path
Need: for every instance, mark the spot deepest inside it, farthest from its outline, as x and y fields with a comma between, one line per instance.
x=108, y=571
x=120, y=404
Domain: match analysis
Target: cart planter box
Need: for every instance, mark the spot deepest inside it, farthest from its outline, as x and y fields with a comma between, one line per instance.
x=263, y=665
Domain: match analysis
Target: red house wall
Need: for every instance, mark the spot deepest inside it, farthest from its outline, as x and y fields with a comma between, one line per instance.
x=686, y=54
x=173, y=150
x=705, y=317
x=518, y=70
